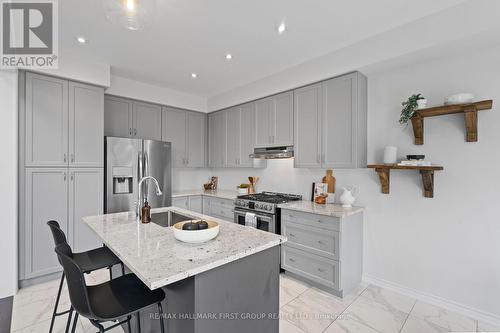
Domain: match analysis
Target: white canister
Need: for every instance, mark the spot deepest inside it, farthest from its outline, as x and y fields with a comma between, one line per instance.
x=390, y=155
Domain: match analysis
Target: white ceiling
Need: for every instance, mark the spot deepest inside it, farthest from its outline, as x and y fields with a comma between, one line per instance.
x=185, y=36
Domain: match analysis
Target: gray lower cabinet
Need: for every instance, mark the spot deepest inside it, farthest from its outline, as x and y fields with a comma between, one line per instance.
x=219, y=207
x=64, y=195
x=46, y=121
x=196, y=203
x=330, y=123
x=128, y=118
x=85, y=199
x=45, y=199
x=325, y=251
x=274, y=120
x=187, y=131
x=217, y=129
x=181, y=202
x=146, y=121
x=86, y=125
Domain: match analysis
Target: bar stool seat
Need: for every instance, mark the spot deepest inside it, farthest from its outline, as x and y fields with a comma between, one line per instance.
x=121, y=296
x=95, y=259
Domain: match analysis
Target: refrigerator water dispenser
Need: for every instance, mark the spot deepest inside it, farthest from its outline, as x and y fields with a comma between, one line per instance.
x=123, y=180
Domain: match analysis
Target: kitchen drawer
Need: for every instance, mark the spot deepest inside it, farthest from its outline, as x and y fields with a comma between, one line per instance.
x=324, y=242
x=314, y=267
x=222, y=202
x=181, y=202
x=308, y=219
x=222, y=211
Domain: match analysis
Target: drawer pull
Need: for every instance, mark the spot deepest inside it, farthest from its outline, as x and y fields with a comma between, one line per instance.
x=321, y=270
x=320, y=221
x=291, y=259
x=320, y=242
x=292, y=235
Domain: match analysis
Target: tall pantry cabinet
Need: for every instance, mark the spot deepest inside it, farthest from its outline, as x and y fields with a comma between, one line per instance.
x=61, y=160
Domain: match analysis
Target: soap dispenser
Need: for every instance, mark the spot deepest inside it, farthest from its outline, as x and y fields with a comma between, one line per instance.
x=146, y=213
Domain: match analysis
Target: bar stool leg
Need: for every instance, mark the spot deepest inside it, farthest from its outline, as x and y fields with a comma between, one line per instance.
x=110, y=272
x=74, y=322
x=70, y=315
x=162, y=325
x=123, y=268
x=138, y=315
x=57, y=303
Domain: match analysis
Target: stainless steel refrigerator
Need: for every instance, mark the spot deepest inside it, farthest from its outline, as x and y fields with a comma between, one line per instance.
x=126, y=162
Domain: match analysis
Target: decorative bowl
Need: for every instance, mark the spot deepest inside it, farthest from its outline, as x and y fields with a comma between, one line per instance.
x=459, y=99
x=195, y=236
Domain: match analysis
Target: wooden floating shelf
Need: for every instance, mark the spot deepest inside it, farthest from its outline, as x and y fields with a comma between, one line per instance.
x=427, y=173
x=469, y=110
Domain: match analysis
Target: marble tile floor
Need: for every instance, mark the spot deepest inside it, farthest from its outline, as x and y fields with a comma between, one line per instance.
x=303, y=309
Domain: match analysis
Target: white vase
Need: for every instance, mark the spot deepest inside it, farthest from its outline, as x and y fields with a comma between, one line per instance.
x=390, y=155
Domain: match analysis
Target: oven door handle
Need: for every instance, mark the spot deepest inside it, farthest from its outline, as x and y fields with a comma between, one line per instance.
x=265, y=218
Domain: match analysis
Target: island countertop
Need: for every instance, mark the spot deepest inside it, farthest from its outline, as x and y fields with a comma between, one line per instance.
x=152, y=253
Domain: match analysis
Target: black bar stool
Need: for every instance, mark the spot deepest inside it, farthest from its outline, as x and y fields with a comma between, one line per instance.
x=89, y=261
x=118, y=298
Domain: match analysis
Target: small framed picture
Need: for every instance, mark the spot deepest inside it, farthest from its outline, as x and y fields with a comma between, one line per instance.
x=319, y=189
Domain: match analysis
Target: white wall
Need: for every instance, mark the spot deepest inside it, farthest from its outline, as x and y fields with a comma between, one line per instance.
x=8, y=183
x=446, y=246
x=125, y=87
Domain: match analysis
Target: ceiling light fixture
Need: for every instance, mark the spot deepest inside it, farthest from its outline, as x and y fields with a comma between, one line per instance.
x=281, y=28
x=229, y=56
x=81, y=40
x=131, y=14
x=194, y=75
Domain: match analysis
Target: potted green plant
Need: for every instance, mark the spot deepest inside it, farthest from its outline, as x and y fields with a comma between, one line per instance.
x=413, y=103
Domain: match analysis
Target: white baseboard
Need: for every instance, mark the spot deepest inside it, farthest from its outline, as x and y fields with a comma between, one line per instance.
x=465, y=310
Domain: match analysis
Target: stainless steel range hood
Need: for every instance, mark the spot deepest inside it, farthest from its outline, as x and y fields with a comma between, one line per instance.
x=273, y=152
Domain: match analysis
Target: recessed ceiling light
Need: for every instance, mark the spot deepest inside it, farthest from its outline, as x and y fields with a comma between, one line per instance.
x=194, y=75
x=229, y=56
x=81, y=40
x=281, y=28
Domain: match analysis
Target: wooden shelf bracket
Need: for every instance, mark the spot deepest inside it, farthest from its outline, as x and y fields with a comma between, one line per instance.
x=426, y=172
x=470, y=113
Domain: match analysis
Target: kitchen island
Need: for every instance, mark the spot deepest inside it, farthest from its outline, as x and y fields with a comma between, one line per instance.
x=229, y=284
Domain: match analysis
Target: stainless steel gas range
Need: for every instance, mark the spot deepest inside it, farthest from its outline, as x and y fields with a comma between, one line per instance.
x=265, y=207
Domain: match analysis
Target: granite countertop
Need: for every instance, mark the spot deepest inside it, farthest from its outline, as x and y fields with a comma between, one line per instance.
x=328, y=209
x=158, y=259
x=224, y=194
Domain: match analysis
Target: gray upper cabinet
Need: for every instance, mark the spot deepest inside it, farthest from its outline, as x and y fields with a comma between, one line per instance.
x=196, y=140
x=46, y=121
x=233, y=136
x=174, y=131
x=337, y=111
x=118, y=120
x=187, y=132
x=307, y=136
x=263, y=113
x=147, y=121
x=248, y=134
x=282, y=122
x=217, y=128
x=46, y=199
x=86, y=125
x=85, y=199
x=128, y=118
x=274, y=120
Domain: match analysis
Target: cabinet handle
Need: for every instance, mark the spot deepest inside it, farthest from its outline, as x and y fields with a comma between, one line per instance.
x=64, y=157
x=135, y=131
x=72, y=176
x=320, y=242
x=72, y=158
x=291, y=259
x=272, y=138
x=292, y=235
x=64, y=176
x=130, y=130
x=187, y=161
x=321, y=270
